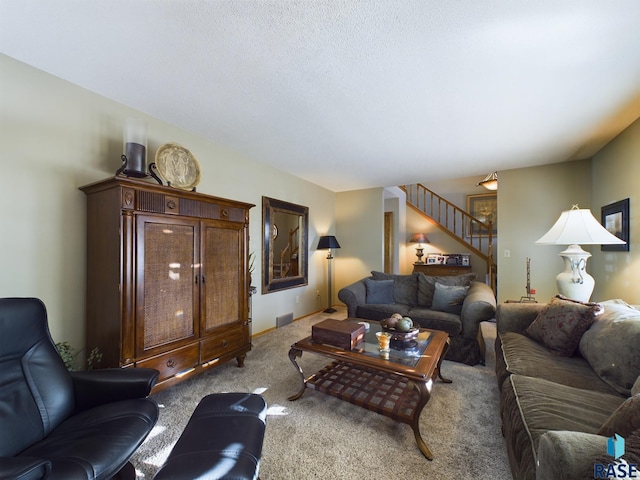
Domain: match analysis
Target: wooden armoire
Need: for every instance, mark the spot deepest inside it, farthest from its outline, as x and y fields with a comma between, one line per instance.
x=167, y=278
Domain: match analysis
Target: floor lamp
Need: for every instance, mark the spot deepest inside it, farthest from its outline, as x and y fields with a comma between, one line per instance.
x=327, y=243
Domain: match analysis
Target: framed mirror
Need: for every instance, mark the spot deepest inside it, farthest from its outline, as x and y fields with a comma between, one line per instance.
x=284, y=245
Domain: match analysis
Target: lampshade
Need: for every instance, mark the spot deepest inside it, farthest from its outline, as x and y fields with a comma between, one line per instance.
x=328, y=241
x=490, y=182
x=578, y=226
x=419, y=238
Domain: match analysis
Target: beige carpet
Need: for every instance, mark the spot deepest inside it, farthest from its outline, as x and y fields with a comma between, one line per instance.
x=320, y=437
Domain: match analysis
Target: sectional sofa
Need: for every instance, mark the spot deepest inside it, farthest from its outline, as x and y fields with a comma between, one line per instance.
x=569, y=379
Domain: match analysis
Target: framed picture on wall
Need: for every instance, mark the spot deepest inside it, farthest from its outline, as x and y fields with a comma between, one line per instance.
x=483, y=207
x=615, y=218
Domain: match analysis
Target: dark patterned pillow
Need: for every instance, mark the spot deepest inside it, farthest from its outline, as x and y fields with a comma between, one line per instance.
x=560, y=325
x=379, y=292
x=624, y=420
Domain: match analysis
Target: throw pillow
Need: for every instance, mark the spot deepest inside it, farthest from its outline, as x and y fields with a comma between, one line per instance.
x=379, y=291
x=561, y=323
x=624, y=420
x=611, y=345
x=427, y=285
x=448, y=298
x=405, y=287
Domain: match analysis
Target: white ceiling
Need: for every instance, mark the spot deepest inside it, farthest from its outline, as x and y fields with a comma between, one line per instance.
x=355, y=94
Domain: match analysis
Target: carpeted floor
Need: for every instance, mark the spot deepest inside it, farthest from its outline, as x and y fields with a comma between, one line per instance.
x=320, y=437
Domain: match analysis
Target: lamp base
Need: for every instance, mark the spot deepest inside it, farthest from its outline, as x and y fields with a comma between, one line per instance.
x=330, y=310
x=574, y=282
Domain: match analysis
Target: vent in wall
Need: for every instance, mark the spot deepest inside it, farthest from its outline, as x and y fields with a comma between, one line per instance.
x=283, y=320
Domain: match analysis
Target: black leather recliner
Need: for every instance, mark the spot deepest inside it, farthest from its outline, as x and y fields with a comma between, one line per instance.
x=57, y=424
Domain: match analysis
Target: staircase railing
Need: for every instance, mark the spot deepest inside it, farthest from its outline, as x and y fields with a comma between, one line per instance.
x=475, y=235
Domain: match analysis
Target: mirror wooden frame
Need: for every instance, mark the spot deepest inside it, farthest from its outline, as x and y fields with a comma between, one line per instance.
x=270, y=209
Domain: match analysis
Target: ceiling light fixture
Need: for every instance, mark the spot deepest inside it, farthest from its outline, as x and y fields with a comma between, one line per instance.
x=490, y=182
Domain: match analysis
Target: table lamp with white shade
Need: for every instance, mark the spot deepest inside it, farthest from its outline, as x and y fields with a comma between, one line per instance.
x=574, y=227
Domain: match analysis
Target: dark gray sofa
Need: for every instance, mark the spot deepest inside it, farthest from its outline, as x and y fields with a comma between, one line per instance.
x=559, y=408
x=455, y=304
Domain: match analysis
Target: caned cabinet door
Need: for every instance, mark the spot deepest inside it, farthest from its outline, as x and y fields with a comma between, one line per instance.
x=167, y=282
x=224, y=275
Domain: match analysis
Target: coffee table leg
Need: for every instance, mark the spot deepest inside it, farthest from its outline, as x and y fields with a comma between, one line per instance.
x=293, y=354
x=442, y=379
x=423, y=398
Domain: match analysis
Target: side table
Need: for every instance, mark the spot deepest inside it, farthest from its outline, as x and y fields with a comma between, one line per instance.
x=441, y=270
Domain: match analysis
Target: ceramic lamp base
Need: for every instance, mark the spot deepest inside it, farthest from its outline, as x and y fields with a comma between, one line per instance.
x=574, y=282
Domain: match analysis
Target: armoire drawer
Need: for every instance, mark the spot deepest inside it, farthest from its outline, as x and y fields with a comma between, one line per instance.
x=218, y=345
x=173, y=362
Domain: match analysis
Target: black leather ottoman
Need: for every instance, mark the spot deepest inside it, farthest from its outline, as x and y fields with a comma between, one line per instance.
x=222, y=440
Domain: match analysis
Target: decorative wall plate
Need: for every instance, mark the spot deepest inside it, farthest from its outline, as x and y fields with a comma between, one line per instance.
x=178, y=166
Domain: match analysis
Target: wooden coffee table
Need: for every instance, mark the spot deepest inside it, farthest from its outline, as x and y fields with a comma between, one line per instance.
x=396, y=384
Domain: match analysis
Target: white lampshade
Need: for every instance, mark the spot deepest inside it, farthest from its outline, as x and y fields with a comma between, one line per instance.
x=578, y=226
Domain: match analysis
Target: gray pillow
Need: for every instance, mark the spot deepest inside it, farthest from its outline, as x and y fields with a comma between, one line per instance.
x=379, y=291
x=427, y=285
x=405, y=287
x=448, y=298
x=611, y=345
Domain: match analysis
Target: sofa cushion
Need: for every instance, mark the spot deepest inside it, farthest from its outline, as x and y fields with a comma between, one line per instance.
x=532, y=406
x=624, y=420
x=560, y=325
x=405, y=287
x=379, y=291
x=427, y=285
x=611, y=345
x=519, y=354
x=435, y=320
x=448, y=298
x=380, y=311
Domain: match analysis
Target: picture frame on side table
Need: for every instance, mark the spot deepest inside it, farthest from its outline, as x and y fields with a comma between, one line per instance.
x=484, y=207
x=435, y=259
x=615, y=218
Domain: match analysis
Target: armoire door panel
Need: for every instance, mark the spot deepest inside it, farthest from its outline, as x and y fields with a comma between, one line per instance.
x=167, y=282
x=222, y=264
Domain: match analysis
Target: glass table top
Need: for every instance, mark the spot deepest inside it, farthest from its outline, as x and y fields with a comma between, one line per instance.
x=404, y=353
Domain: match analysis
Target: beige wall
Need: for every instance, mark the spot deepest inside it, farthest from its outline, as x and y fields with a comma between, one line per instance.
x=56, y=137
x=530, y=200
x=616, y=176
x=360, y=231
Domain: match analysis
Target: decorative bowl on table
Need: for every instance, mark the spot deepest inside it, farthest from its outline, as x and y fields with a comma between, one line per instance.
x=399, y=334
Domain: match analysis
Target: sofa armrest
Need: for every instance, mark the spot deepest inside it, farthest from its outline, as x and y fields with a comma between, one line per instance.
x=479, y=305
x=352, y=296
x=565, y=455
x=97, y=387
x=516, y=317
x=24, y=468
